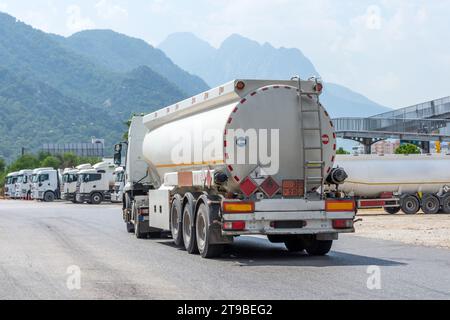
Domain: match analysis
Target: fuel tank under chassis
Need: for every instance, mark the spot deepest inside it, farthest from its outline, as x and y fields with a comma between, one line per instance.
x=217, y=137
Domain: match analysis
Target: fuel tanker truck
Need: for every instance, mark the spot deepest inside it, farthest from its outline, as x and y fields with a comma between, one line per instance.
x=398, y=182
x=247, y=158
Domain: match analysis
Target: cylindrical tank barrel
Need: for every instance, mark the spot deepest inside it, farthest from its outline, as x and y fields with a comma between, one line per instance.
x=371, y=175
x=258, y=128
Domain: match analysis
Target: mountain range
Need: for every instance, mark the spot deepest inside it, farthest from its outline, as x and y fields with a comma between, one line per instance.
x=240, y=57
x=56, y=89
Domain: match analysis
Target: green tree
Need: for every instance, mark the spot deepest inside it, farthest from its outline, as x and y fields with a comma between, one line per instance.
x=2, y=165
x=342, y=151
x=407, y=148
x=27, y=161
x=51, y=162
x=69, y=160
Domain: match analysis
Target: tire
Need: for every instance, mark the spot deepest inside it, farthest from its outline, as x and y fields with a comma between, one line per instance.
x=410, y=204
x=49, y=196
x=189, y=232
x=430, y=204
x=176, y=226
x=130, y=227
x=392, y=210
x=138, y=233
x=205, y=249
x=446, y=204
x=96, y=198
x=319, y=247
x=295, y=245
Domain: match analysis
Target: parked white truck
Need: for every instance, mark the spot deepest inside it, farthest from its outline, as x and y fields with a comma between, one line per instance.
x=70, y=179
x=23, y=185
x=398, y=182
x=10, y=184
x=46, y=184
x=247, y=158
x=119, y=184
x=95, y=185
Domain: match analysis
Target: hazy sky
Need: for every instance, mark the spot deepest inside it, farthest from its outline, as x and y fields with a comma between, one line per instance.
x=396, y=52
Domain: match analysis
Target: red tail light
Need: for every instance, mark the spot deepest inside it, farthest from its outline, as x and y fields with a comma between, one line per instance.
x=318, y=87
x=342, y=224
x=234, y=226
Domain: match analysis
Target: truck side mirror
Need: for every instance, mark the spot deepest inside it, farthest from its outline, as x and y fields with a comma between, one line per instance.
x=118, y=154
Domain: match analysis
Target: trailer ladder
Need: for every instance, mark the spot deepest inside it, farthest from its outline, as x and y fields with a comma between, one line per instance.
x=312, y=151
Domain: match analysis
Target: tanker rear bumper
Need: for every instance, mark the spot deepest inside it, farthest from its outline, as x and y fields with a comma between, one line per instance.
x=278, y=223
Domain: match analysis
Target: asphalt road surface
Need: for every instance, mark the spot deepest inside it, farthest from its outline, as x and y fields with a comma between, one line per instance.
x=67, y=251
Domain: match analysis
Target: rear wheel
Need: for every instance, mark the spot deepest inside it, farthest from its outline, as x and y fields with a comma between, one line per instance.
x=189, y=233
x=130, y=227
x=176, y=226
x=96, y=198
x=49, y=196
x=410, y=204
x=430, y=204
x=446, y=204
x=319, y=247
x=137, y=231
x=295, y=245
x=392, y=210
x=206, y=249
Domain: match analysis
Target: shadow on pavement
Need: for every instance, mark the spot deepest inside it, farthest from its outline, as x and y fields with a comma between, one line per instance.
x=251, y=252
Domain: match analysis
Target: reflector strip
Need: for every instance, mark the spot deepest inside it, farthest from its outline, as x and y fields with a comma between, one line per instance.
x=238, y=207
x=372, y=203
x=340, y=205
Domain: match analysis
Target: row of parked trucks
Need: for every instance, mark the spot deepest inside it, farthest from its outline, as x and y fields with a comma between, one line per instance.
x=83, y=184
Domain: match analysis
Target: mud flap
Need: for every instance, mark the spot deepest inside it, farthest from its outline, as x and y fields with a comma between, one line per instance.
x=215, y=227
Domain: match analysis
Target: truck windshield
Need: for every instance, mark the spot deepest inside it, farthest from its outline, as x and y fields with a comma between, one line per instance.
x=89, y=177
x=34, y=178
x=69, y=178
x=120, y=177
x=8, y=180
x=43, y=177
x=19, y=179
x=25, y=179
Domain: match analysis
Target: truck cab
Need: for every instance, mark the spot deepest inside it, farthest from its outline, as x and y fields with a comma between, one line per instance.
x=70, y=179
x=23, y=184
x=95, y=185
x=10, y=185
x=46, y=185
x=119, y=184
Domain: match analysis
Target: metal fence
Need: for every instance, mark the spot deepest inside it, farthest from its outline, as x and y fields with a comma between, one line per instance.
x=80, y=149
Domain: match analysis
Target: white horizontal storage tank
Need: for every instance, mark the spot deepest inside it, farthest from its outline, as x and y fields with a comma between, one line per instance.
x=204, y=123
x=371, y=175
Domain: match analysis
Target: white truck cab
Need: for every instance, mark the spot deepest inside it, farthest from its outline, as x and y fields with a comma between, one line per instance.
x=95, y=185
x=119, y=178
x=23, y=184
x=10, y=185
x=70, y=179
x=46, y=184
